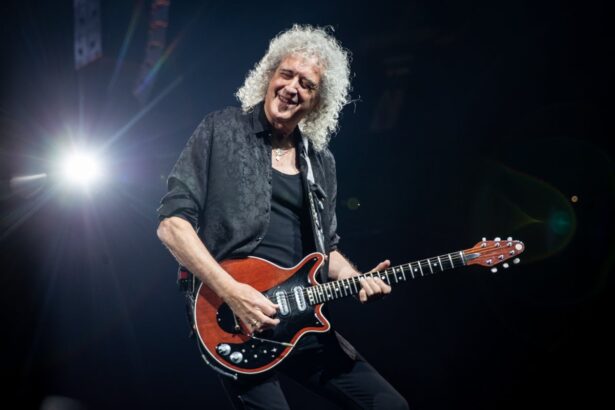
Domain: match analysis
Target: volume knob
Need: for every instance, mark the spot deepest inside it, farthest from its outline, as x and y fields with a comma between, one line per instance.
x=224, y=349
x=236, y=357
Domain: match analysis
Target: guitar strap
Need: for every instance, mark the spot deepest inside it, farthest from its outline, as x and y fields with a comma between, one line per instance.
x=316, y=196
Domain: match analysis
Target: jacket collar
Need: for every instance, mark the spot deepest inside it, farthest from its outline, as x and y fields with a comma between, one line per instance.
x=259, y=119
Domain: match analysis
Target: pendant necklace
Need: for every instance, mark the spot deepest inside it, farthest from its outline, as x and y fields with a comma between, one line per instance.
x=279, y=153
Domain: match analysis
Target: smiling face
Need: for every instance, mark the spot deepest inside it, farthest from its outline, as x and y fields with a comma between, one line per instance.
x=292, y=92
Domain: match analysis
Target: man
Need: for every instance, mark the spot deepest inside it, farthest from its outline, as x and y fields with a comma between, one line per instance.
x=249, y=180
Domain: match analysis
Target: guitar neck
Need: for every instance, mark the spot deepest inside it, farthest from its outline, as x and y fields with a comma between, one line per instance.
x=329, y=291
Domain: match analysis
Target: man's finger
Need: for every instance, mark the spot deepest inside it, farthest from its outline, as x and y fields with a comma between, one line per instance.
x=266, y=321
x=381, y=266
x=270, y=310
x=368, y=285
x=383, y=287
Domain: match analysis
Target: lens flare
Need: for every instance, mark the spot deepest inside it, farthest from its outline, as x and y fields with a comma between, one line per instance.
x=82, y=169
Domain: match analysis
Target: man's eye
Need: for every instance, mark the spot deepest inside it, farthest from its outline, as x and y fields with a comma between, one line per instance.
x=308, y=86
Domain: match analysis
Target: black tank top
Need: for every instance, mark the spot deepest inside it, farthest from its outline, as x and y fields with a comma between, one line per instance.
x=289, y=235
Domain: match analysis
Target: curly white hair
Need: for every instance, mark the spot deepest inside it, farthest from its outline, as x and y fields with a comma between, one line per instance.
x=307, y=41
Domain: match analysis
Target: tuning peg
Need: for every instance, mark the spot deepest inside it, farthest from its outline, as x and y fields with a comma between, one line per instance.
x=497, y=239
x=516, y=260
x=494, y=270
x=505, y=265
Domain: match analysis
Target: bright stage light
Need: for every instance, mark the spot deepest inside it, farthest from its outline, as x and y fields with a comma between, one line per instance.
x=82, y=169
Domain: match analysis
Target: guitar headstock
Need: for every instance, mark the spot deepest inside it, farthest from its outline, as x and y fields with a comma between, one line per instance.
x=492, y=253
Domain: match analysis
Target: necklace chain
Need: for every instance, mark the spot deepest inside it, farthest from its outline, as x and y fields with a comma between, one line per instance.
x=279, y=152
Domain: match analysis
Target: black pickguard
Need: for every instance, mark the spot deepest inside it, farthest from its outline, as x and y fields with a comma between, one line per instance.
x=266, y=346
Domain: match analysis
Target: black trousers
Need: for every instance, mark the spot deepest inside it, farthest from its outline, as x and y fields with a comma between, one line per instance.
x=350, y=383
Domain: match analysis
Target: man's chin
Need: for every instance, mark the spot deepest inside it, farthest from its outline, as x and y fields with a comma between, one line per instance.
x=284, y=112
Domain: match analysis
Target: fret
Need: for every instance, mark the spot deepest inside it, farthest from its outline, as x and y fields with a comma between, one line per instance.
x=440, y=262
x=463, y=260
x=336, y=286
x=328, y=291
x=401, y=268
x=451, y=259
x=386, y=275
x=394, y=276
x=420, y=268
x=411, y=273
x=355, y=284
x=321, y=294
x=429, y=264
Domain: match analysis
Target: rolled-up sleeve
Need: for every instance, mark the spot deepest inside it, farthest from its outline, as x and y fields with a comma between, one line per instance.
x=187, y=182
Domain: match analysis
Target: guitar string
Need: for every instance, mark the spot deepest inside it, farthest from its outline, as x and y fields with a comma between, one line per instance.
x=289, y=296
x=391, y=270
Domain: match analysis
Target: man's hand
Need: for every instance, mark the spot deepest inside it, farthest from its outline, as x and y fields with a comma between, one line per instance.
x=372, y=288
x=252, y=308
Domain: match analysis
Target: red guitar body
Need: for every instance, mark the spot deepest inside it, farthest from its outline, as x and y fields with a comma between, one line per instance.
x=225, y=341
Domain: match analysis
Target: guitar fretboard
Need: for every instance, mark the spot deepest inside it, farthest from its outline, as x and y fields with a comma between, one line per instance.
x=329, y=291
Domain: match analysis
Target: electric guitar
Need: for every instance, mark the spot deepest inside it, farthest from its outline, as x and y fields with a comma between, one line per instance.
x=231, y=350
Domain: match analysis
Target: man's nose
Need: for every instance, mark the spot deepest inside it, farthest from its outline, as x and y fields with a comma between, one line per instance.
x=293, y=85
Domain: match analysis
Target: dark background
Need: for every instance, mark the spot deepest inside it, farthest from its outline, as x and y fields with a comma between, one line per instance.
x=472, y=119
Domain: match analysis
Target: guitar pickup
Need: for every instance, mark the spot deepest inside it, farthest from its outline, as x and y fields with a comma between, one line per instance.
x=282, y=301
